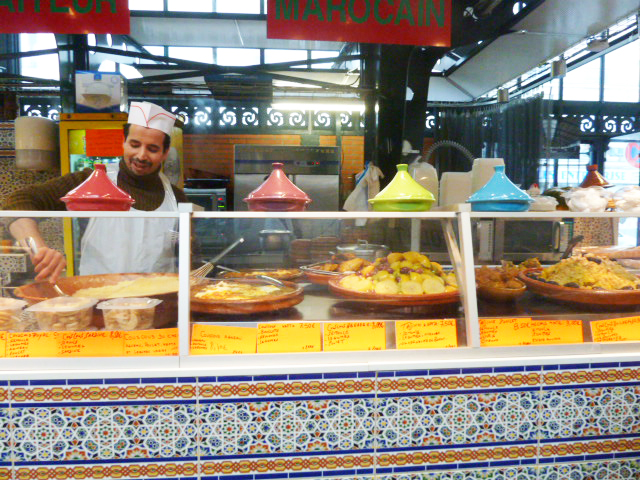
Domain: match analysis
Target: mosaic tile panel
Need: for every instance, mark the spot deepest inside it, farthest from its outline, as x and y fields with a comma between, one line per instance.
x=516, y=422
x=457, y=419
x=588, y=412
x=289, y=426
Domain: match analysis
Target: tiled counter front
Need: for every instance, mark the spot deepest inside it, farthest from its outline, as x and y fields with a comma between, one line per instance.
x=535, y=422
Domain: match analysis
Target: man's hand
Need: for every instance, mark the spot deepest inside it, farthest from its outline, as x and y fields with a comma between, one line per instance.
x=48, y=263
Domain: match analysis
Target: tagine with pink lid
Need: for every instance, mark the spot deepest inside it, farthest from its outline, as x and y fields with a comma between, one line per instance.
x=98, y=192
x=277, y=194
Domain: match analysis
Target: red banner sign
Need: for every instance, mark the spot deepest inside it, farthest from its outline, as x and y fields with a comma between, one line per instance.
x=405, y=22
x=64, y=16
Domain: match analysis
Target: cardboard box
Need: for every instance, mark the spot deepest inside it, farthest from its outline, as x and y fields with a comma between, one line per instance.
x=100, y=92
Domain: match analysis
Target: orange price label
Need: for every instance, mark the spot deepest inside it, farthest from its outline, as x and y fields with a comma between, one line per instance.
x=222, y=340
x=354, y=336
x=141, y=343
x=616, y=329
x=289, y=337
x=412, y=334
x=91, y=344
x=553, y=332
x=32, y=344
x=501, y=332
x=3, y=344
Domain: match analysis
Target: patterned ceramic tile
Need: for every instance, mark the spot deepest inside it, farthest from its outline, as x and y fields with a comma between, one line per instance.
x=583, y=412
x=283, y=427
x=285, y=386
x=457, y=419
x=556, y=451
x=128, y=471
x=592, y=374
x=126, y=390
x=456, y=379
x=442, y=457
x=613, y=470
x=322, y=465
x=41, y=434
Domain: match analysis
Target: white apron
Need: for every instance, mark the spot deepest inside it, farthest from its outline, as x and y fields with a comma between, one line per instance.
x=130, y=245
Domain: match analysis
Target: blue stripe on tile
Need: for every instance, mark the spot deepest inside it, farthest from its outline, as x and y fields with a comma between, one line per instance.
x=329, y=376
x=582, y=386
x=305, y=376
x=5, y=464
x=437, y=467
x=334, y=473
x=19, y=383
x=605, y=365
x=159, y=380
x=269, y=476
x=287, y=455
x=413, y=373
x=4, y=383
x=473, y=465
x=503, y=463
x=238, y=477
x=575, y=366
x=471, y=371
x=123, y=381
x=457, y=392
x=207, y=379
x=384, y=470
x=85, y=381
x=573, y=458
x=284, y=398
x=270, y=378
x=386, y=374
x=627, y=455
x=187, y=380
x=234, y=378
x=46, y=382
x=546, y=460
x=532, y=368
x=364, y=471
x=603, y=456
x=507, y=369
x=304, y=474
x=41, y=463
x=5, y=405
x=528, y=461
x=366, y=374
x=630, y=364
x=103, y=404
x=550, y=367
x=415, y=468
x=445, y=371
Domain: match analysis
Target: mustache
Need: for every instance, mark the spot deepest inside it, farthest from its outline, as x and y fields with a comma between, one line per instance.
x=142, y=163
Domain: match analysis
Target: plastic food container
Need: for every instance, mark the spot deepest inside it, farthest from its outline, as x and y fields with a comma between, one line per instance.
x=64, y=313
x=10, y=309
x=129, y=313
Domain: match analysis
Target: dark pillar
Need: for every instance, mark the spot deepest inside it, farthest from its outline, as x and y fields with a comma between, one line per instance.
x=73, y=56
x=369, y=81
x=599, y=147
x=10, y=43
x=402, y=66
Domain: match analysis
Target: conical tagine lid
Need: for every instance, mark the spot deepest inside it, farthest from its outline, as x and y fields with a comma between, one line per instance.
x=500, y=188
x=403, y=187
x=278, y=186
x=98, y=192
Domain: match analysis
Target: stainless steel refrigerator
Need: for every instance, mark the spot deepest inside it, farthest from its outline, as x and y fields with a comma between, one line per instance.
x=315, y=170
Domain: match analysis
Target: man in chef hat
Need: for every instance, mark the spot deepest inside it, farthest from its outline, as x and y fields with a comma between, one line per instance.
x=114, y=245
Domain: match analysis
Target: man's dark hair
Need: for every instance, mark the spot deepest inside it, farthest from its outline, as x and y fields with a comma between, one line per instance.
x=166, y=142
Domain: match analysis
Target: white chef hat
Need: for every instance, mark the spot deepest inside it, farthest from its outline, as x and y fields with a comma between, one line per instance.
x=150, y=115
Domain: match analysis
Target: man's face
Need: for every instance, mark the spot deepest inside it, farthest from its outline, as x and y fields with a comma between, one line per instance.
x=143, y=152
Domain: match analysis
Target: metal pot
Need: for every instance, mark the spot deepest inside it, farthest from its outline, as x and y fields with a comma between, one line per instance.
x=271, y=240
x=365, y=250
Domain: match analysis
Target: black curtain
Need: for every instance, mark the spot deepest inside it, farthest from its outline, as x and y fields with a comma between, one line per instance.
x=511, y=131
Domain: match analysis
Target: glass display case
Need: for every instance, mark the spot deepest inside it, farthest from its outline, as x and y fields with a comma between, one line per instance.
x=329, y=283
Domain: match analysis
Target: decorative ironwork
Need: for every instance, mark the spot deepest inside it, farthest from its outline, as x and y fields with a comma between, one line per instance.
x=323, y=119
x=587, y=123
x=431, y=122
x=49, y=108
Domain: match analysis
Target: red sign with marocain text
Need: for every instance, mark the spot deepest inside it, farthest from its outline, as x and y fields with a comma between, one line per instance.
x=64, y=16
x=404, y=22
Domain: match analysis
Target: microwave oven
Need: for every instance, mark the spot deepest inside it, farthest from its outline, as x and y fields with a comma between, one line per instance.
x=515, y=240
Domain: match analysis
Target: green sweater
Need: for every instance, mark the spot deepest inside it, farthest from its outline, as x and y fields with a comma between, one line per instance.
x=146, y=190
